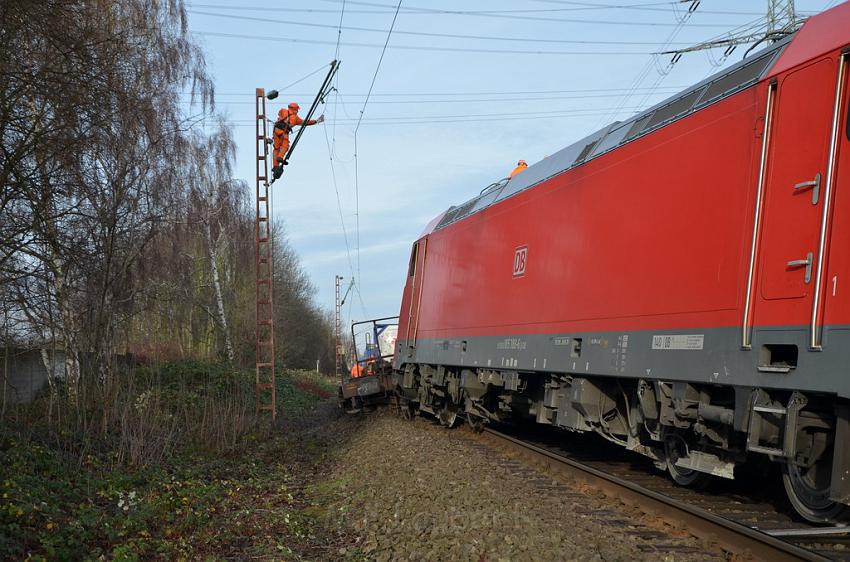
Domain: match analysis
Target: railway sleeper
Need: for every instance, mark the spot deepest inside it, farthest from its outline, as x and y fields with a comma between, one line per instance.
x=692, y=431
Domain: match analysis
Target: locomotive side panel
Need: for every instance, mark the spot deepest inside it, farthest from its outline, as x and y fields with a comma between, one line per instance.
x=648, y=238
x=652, y=234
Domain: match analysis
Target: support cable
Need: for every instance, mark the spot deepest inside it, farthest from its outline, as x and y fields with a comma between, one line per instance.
x=339, y=204
x=356, y=129
x=647, y=68
x=331, y=152
x=336, y=103
x=424, y=101
x=339, y=31
x=433, y=34
x=412, y=11
x=419, y=47
x=305, y=77
x=513, y=17
x=476, y=93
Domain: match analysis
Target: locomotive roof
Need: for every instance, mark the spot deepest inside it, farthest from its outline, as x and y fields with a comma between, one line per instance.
x=725, y=83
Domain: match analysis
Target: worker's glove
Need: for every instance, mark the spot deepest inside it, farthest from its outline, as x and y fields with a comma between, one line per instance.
x=321, y=118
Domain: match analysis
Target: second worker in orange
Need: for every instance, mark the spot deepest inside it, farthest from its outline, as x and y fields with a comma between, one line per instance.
x=287, y=119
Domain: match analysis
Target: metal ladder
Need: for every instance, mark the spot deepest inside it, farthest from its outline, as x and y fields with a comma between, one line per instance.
x=265, y=367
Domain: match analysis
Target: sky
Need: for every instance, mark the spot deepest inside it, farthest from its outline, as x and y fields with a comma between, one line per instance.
x=447, y=115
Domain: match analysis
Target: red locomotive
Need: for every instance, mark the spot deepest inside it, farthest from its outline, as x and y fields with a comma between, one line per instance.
x=678, y=282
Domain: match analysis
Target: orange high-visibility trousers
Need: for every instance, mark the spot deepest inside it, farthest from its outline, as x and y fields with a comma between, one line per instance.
x=281, y=145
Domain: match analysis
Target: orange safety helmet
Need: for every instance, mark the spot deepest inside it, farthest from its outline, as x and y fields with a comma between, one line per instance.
x=294, y=106
x=522, y=163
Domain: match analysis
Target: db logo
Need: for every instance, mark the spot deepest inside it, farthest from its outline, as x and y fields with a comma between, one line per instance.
x=520, y=261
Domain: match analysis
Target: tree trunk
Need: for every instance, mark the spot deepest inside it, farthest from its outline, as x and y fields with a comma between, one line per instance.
x=69, y=334
x=212, y=253
x=49, y=362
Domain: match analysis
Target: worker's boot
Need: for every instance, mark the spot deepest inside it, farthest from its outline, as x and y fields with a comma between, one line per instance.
x=277, y=171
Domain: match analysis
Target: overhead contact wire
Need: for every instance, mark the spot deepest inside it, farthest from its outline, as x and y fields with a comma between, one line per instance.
x=339, y=203
x=418, y=48
x=321, y=68
x=428, y=34
x=513, y=17
x=357, y=128
x=331, y=151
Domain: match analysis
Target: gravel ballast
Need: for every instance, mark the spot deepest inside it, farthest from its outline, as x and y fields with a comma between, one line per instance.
x=403, y=490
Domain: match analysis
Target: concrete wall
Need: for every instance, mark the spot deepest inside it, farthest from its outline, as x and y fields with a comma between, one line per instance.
x=24, y=374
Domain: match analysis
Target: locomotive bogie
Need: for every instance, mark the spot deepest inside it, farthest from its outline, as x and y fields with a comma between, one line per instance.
x=685, y=428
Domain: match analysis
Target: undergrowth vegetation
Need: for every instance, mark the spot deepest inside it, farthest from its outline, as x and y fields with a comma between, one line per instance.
x=171, y=464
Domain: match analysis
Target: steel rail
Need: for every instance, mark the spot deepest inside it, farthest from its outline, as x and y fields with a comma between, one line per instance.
x=729, y=534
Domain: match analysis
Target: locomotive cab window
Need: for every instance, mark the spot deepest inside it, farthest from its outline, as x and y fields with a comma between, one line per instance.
x=411, y=270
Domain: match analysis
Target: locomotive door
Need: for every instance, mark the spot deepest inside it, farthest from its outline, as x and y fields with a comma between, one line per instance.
x=416, y=272
x=794, y=189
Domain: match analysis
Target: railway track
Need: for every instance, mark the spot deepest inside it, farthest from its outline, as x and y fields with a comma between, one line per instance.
x=738, y=515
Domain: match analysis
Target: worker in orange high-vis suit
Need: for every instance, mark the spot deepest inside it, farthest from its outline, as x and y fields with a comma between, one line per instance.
x=520, y=167
x=287, y=118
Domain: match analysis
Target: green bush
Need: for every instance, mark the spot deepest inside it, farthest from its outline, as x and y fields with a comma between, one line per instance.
x=173, y=468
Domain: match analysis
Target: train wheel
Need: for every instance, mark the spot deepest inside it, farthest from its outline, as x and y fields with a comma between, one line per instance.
x=683, y=476
x=808, y=492
x=475, y=423
x=407, y=411
x=355, y=406
x=448, y=415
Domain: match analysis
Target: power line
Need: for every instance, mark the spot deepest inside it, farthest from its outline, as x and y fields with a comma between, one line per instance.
x=305, y=77
x=331, y=149
x=413, y=11
x=338, y=201
x=429, y=34
x=357, y=128
x=336, y=93
x=485, y=93
x=663, y=73
x=339, y=31
x=650, y=7
x=458, y=101
x=647, y=68
x=530, y=18
x=424, y=121
x=416, y=47
x=501, y=115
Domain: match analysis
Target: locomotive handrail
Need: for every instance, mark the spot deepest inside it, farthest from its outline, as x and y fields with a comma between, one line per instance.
x=815, y=342
x=501, y=183
x=746, y=335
